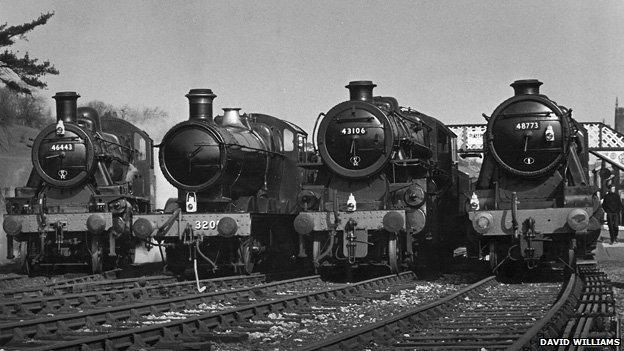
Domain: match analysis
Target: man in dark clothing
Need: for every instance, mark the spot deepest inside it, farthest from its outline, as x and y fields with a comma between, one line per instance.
x=587, y=242
x=612, y=206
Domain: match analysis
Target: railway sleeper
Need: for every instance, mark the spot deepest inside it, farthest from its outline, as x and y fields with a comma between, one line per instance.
x=209, y=322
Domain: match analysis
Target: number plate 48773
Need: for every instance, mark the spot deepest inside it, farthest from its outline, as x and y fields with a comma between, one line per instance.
x=527, y=126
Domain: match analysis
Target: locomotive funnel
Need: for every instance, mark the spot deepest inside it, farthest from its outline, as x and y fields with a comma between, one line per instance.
x=231, y=118
x=66, y=103
x=200, y=104
x=526, y=86
x=361, y=90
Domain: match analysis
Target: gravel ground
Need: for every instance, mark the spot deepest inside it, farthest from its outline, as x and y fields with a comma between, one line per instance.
x=196, y=310
x=290, y=330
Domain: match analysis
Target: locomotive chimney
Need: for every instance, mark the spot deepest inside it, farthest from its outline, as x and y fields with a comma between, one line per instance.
x=361, y=90
x=200, y=104
x=231, y=118
x=66, y=103
x=526, y=87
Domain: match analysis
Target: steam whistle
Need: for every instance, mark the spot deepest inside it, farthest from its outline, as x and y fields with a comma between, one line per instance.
x=191, y=202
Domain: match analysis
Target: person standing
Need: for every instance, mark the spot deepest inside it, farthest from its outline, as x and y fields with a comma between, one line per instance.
x=587, y=243
x=612, y=206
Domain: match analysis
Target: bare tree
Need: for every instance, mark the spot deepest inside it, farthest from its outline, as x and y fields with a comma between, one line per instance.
x=128, y=113
x=30, y=110
x=103, y=109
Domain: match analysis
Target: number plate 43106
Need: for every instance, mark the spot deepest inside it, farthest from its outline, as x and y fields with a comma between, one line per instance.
x=353, y=131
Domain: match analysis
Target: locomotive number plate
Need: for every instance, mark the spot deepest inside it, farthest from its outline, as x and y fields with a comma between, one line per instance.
x=528, y=126
x=62, y=147
x=206, y=224
x=353, y=131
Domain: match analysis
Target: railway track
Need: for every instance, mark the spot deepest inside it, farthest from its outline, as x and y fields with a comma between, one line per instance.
x=594, y=316
x=494, y=316
x=11, y=276
x=187, y=322
x=21, y=285
x=297, y=315
x=136, y=317
x=59, y=289
x=98, y=297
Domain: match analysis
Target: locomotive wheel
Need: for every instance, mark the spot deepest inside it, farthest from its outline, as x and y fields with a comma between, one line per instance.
x=24, y=261
x=571, y=262
x=177, y=270
x=247, y=258
x=393, y=255
x=96, y=255
x=316, y=252
x=176, y=260
x=509, y=271
x=494, y=256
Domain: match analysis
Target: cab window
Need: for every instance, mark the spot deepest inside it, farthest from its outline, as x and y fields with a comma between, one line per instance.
x=443, y=141
x=140, y=147
x=288, y=140
x=276, y=140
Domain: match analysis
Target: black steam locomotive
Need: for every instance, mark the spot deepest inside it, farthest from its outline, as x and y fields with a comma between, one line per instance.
x=89, y=176
x=384, y=185
x=237, y=181
x=533, y=201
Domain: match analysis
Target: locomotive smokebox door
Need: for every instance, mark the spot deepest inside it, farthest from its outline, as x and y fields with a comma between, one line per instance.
x=355, y=242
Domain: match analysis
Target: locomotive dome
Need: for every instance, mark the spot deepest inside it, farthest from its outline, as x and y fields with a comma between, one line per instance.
x=190, y=154
x=528, y=133
x=63, y=153
x=355, y=137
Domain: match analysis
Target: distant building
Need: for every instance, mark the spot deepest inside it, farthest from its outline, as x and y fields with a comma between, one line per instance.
x=619, y=117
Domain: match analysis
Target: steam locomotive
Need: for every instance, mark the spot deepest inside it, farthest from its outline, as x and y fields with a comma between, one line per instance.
x=533, y=202
x=89, y=176
x=237, y=180
x=384, y=188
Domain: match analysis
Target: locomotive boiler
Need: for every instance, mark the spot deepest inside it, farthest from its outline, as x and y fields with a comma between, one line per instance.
x=89, y=176
x=532, y=200
x=384, y=179
x=237, y=179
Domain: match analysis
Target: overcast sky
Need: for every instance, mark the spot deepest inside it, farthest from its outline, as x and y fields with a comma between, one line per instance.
x=450, y=59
